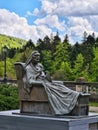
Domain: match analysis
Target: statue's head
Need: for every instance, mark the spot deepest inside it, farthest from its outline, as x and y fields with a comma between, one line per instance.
x=35, y=57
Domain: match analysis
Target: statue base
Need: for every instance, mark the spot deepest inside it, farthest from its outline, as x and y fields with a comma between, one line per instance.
x=18, y=121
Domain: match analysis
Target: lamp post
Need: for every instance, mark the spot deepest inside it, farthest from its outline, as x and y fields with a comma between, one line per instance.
x=5, y=54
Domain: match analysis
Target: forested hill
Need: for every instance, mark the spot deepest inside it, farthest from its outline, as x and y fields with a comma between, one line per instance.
x=11, y=42
x=16, y=50
x=63, y=60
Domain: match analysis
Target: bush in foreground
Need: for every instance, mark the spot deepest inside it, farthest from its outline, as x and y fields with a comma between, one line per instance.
x=8, y=97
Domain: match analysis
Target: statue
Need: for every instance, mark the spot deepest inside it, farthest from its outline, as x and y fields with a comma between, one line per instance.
x=61, y=98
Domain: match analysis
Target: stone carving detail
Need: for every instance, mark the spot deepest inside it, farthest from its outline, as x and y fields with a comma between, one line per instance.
x=38, y=93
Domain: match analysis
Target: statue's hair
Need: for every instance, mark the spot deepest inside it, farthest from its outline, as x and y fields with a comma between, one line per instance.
x=30, y=57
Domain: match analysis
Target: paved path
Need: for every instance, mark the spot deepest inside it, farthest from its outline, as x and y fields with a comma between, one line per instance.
x=93, y=109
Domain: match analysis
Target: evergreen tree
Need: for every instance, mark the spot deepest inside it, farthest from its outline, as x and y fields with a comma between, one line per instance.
x=46, y=42
x=84, y=36
x=68, y=72
x=96, y=42
x=61, y=55
x=66, y=39
x=76, y=49
x=91, y=40
x=78, y=67
x=88, y=54
x=47, y=60
x=30, y=44
x=94, y=67
x=56, y=40
x=40, y=45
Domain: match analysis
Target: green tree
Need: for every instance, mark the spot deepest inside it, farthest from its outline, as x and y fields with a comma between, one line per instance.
x=91, y=40
x=88, y=54
x=40, y=45
x=66, y=39
x=68, y=72
x=47, y=60
x=96, y=42
x=94, y=67
x=78, y=67
x=54, y=42
x=84, y=36
x=1, y=68
x=30, y=44
x=75, y=50
x=61, y=55
x=47, y=44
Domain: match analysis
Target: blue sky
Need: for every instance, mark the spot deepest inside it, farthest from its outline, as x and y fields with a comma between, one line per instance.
x=33, y=19
x=20, y=7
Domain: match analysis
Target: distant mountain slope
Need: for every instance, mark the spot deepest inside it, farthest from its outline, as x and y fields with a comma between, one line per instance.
x=11, y=42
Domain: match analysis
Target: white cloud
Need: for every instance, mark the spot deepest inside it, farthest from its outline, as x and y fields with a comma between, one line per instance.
x=70, y=8
x=78, y=25
x=81, y=16
x=48, y=6
x=67, y=16
x=93, y=20
x=34, y=13
x=13, y=25
x=52, y=22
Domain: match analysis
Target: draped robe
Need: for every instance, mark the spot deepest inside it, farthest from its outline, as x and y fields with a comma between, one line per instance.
x=61, y=98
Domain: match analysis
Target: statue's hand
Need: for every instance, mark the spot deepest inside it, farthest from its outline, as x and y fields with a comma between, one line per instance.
x=48, y=77
x=38, y=75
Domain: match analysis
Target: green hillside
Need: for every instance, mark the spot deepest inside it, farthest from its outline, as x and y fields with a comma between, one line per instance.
x=63, y=60
x=11, y=42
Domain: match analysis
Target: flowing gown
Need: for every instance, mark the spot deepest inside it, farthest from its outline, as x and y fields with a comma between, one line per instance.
x=61, y=98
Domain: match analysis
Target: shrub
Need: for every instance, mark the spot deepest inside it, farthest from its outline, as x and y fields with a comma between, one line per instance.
x=8, y=97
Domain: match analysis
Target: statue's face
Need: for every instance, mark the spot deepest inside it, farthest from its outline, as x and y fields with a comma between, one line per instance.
x=36, y=58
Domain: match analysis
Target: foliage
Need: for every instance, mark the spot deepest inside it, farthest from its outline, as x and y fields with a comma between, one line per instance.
x=64, y=61
x=75, y=50
x=61, y=55
x=11, y=42
x=68, y=72
x=59, y=75
x=46, y=60
x=8, y=97
x=78, y=67
x=64, y=73
x=94, y=67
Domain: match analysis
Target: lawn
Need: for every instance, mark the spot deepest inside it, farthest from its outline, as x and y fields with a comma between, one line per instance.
x=93, y=104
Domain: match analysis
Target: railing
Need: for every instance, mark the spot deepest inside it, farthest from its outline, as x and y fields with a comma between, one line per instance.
x=88, y=87
x=83, y=86
x=8, y=81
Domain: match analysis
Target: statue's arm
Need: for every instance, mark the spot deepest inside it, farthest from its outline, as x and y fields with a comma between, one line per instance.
x=32, y=78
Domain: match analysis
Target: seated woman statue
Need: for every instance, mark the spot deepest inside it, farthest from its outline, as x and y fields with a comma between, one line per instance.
x=61, y=98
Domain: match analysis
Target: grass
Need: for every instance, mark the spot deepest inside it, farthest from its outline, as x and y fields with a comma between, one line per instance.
x=93, y=104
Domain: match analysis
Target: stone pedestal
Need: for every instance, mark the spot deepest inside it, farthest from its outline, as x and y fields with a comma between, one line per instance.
x=82, y=106
x=13, y=120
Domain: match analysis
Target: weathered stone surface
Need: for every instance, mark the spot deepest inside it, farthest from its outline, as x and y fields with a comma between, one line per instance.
x=82, y=107
x=9, y=121
x=37, y=101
